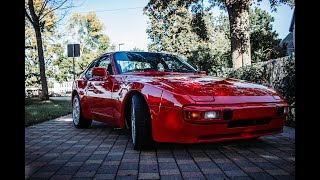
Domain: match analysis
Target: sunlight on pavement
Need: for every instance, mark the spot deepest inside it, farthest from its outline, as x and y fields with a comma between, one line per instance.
x=65, y=119
x=269, y=157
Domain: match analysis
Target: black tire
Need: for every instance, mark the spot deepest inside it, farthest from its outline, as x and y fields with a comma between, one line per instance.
x=78, y=120
x=254, y=138
x=140, y=123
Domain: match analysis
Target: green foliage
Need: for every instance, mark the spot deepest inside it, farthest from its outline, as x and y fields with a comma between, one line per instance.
x=283, y=81
x=48, y=32
x=170, y=30
x=254, y=73
x=63, y=64
x=40, y=15
x=201, y=57
x=208, y=58
x=84, y=29
x=88, y=31
x=198, y=23
x=264, y=40
x=44, y=10
x=159, y=13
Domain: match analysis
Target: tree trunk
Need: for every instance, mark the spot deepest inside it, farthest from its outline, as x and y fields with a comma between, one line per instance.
x=44, y=86
x=239, y=32
x=34, y=20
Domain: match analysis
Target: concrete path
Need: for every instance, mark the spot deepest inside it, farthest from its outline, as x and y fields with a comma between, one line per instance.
x=56, y=150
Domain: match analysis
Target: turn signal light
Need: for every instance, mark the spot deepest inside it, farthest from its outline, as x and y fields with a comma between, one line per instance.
x=193, y=115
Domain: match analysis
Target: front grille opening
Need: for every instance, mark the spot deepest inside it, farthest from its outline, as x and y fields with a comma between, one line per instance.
x=227, y=114
x=248, y=122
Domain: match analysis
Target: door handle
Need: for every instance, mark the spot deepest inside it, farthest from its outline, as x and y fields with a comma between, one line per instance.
x=90, y=87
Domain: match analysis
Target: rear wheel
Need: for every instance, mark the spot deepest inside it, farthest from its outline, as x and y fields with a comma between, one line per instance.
x=140, y=123
x=78, y=120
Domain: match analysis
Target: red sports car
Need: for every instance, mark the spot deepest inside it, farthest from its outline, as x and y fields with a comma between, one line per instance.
x=162, y=98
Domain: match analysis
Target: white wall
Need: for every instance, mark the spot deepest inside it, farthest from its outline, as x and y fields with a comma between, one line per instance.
x=62, y=87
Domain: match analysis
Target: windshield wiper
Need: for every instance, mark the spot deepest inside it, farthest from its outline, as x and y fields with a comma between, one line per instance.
x=186, y=70
x=142, y=70
x=179, y=70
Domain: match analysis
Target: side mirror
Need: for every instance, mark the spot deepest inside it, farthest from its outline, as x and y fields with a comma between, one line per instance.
x=98, y=71
x=203, y=72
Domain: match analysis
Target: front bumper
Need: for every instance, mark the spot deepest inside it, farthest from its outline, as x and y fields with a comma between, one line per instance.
x=249, y=121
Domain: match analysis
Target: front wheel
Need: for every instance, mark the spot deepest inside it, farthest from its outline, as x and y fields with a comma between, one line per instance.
x=78, y=120
x=140, y=123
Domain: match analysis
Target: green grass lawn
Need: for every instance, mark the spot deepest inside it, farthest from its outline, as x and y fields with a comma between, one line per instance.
x=37, y=111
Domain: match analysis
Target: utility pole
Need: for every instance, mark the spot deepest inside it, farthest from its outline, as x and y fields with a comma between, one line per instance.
x=120, y=45
x=74, y=76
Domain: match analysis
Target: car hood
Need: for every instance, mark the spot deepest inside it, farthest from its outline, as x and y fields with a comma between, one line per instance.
x=199, y=88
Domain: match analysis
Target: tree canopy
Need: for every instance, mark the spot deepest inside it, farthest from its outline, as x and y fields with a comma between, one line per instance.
x=264, y=40
x=238, y=14
x=88, y=31
x=48, y=27
x=40, y=15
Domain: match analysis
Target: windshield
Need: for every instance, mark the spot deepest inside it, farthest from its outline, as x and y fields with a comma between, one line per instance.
x=144, y=61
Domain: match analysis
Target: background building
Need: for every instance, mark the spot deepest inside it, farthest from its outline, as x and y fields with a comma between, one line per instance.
x=289, y=40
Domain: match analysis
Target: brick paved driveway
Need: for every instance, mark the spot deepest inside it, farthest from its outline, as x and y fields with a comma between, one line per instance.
x=57, y=150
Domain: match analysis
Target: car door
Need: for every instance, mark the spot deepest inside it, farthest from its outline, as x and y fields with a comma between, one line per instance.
x=99, y=93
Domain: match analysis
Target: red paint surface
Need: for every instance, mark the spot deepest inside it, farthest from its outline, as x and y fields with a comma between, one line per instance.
x=169, y=94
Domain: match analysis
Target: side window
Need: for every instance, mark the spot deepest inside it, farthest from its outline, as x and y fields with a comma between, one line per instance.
x=106, y=63
x=89, y=71
x=160, y=67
